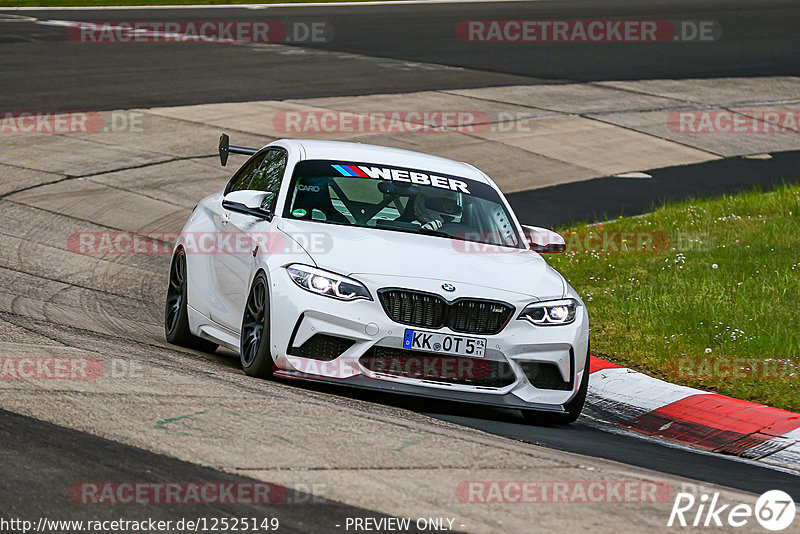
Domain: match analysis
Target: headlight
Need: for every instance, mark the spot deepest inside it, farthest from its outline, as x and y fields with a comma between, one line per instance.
x=551, y=312
x=327, y=283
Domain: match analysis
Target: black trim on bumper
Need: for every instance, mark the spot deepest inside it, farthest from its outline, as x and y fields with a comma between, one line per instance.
x=507, y=400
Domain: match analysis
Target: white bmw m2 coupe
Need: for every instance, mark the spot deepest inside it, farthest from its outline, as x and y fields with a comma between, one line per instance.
x=379, y=268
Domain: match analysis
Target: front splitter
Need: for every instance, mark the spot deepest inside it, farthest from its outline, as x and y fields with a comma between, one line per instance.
x=506, y=400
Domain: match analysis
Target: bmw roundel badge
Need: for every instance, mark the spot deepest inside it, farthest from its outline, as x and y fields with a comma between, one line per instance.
x=448, y=287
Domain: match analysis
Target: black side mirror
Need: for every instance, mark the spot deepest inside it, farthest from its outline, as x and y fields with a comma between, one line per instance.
x=544, y=241
x=249, y=202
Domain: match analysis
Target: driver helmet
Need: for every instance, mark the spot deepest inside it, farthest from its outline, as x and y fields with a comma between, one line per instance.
x=441, y=205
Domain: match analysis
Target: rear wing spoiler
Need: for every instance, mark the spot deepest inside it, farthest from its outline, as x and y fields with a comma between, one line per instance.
x=225, y=148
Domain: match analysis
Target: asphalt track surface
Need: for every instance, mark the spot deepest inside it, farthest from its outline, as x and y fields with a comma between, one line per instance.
x=380, y=49
x=44, y=466
x=589, y=437
x=376, y=50
x=609, y=197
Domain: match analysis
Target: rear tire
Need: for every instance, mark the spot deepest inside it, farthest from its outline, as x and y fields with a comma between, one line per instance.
x=176, y=318
x=254, y=347
x=573, y=407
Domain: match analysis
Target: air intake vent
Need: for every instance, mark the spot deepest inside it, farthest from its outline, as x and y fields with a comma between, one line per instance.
x=438, y=367
x=322, y=347
x=544, y=376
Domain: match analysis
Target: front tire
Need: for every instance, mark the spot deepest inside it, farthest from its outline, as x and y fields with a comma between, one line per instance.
x=176, y=317
x=254, y=347
x=573, y=407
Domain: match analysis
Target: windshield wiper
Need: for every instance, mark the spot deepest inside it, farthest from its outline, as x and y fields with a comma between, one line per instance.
x=437, y=233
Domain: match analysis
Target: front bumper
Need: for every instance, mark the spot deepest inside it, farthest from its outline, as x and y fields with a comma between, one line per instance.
x=297, y=315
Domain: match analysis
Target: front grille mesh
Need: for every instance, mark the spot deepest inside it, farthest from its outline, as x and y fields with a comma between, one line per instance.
x=477, y=316
x=438, y=367
x=470, y=316
x=417, y=309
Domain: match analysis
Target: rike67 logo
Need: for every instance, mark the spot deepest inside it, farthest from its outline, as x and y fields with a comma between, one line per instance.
x=774, y=510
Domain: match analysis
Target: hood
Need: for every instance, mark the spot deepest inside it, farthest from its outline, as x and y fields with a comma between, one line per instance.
x=352, y=250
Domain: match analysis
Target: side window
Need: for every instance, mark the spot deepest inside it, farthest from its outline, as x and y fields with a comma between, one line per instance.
x=262, y=173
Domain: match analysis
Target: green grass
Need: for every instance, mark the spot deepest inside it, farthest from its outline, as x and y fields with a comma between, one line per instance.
x=69, y=3
x=649, y=310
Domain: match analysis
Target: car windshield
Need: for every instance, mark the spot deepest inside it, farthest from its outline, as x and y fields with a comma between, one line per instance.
x=400, y=199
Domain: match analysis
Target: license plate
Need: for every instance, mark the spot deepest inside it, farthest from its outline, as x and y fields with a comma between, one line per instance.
x=444, y=343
